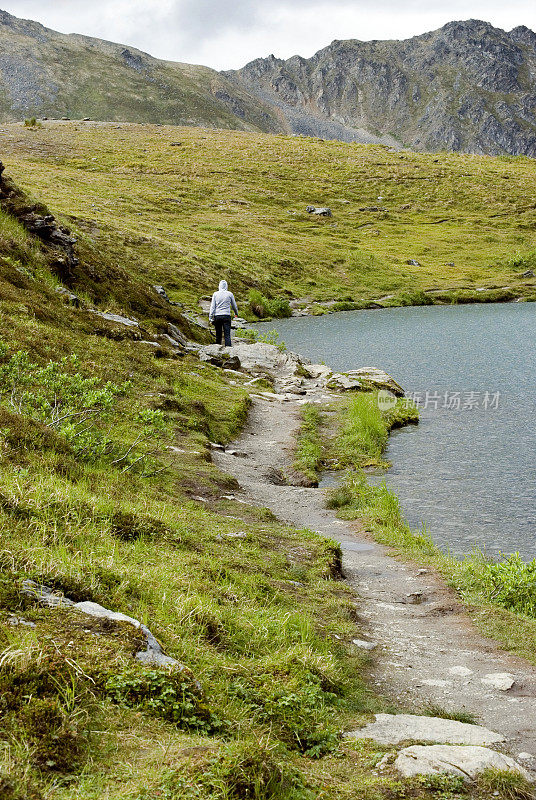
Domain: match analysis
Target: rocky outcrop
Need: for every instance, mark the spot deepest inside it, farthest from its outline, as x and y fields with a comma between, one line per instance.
x=467, y=86
x=39, y=222
x=395, y=728
x=464, y=762
x=292, y=375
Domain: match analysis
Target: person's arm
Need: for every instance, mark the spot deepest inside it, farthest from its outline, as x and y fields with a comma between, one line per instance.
x=212, y=308
x=233, y=303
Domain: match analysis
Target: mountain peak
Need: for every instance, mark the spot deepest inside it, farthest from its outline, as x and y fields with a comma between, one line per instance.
x=467, y=86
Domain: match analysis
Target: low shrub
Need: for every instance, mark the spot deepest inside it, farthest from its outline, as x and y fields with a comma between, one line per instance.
x=510, y=583
x=172, y=696
x=263, y=307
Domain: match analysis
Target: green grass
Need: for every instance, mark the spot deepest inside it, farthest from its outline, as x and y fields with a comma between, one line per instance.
x=108, y=495
x=309, y=450
x=364, y=430
x=231, y=204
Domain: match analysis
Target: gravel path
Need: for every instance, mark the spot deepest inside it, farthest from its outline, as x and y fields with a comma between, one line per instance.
x=429, y=652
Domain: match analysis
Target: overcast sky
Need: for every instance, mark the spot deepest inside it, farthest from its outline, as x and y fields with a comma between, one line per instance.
x=227, y=35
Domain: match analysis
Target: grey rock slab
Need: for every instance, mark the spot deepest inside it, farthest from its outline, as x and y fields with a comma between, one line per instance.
x=45, y=595
x=344, y=383
x=395, y=728
x=377, y=378
x=153, y=654
x=466, y=762
x=130, y=323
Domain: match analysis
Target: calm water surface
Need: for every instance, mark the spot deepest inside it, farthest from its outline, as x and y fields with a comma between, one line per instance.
x=468, y=472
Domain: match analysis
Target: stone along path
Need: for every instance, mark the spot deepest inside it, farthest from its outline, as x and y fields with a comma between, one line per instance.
x=428, y=650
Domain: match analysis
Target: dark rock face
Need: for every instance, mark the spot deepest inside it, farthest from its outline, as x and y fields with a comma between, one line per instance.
x=41, y=224
x=467, y=86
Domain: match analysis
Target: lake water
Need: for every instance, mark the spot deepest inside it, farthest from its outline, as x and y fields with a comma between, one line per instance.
x=468, y=469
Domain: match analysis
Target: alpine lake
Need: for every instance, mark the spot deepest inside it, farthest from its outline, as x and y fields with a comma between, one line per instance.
x=467, y=471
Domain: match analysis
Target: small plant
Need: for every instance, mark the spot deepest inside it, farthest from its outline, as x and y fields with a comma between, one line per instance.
x=270, y=337
x=505, y=784
x=263, y=307
x=301, y=717
x=510, y=583
x=32, y=123
x=169, y=695
x=443, y=786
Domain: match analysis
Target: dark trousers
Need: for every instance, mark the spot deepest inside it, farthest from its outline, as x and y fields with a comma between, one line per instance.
x=223, y=324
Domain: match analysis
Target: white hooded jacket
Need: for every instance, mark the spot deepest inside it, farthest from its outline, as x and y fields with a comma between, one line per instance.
x=222, y=302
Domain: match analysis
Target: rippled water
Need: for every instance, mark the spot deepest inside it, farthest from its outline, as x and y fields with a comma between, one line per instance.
x=468, y=472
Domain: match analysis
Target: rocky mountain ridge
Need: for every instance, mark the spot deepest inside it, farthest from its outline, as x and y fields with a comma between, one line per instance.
x=465, y=87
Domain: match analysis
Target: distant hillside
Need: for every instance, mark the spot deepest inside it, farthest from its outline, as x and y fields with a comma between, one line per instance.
x=466, y=87
x=45, y=73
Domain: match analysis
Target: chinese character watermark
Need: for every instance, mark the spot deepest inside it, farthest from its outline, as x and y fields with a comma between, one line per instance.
x=470, y=400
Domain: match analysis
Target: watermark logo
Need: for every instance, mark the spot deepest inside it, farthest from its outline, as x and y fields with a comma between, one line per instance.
x=386, y=400
x=454, y=400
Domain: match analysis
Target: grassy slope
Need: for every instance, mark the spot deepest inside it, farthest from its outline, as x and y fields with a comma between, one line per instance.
x=233, y=204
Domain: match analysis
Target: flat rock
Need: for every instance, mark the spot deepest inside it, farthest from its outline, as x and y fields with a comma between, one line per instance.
x=460, y=671
x=376, y=378
x=341, y=382
x=395, y=728
x=130, y=323
x=466, y=762
x=364, y=645
x=499, y=680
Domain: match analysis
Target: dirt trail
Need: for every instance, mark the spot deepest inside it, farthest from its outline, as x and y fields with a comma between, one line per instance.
x=428, y=653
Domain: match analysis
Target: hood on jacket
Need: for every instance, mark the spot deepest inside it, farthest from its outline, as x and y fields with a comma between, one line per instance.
x=223, y=286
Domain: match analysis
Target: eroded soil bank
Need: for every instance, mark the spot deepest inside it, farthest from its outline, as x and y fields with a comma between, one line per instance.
x=429, y=652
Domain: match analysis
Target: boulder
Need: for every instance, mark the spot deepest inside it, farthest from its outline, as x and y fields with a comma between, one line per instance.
x=321, y=212
x=466, y=762
x=317, y=371
x=340, y=382
x=395, y=728
x=371, y=377
x=220, y=356
x=177, y=334
x=258, y=358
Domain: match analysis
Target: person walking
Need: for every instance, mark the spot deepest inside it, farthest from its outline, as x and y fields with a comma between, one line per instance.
x=220, y=312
